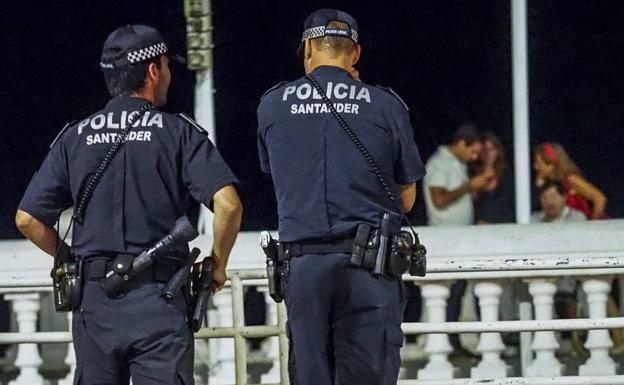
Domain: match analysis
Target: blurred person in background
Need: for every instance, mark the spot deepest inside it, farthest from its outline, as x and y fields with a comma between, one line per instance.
x=449, y=194
x=495, y=203
x=553, y=201
x=551, y=162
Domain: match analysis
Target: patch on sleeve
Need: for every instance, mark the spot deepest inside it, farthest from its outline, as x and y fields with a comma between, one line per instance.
x=278, y=85
x=65, y=127
x=391, y=92
x=193, y=123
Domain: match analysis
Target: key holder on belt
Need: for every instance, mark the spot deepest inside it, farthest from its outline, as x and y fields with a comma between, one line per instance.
x=419, y=250
x=120, y=140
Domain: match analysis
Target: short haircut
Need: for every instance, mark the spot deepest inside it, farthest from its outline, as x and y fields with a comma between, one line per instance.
x=335, y=45
x=548, y=184
x=128, y=78
x=468, y=133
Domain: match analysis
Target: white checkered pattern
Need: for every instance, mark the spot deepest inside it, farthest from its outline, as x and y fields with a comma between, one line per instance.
x=320, y=31
x=147, y=53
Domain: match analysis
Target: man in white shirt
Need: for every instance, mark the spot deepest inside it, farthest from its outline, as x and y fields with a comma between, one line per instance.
x=447, y=186
x=448, y=198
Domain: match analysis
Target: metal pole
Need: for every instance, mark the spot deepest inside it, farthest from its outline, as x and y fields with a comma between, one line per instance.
x=521, y=110
x=238, y=318
x=199, y=40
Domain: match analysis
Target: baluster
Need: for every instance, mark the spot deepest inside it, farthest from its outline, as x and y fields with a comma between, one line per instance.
x=598, y=341
x=70, y=358
x=273, y=375
x=544, y=343
x=224, y=371
x=28, y=359
x=490, y=344
x=437, y=347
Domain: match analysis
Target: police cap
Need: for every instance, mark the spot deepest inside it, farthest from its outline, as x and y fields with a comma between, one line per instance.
x=315, y=26
x=133, y=44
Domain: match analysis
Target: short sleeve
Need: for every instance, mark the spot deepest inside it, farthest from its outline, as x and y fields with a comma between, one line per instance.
x=263, y=154
x=48, y=193
x=204, y=170
x=437, y=176
x=408, y=167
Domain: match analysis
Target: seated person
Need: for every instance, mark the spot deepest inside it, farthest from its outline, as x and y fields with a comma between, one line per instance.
x=553, y=198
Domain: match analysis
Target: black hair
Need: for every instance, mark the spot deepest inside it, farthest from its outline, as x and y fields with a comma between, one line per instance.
x=548, y=184
x=128, y=78
x=467, y=132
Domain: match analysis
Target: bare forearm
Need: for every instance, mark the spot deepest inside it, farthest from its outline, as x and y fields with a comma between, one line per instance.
x=42, y=236
x=442, y=197
x=226, y=224
x=598, y=208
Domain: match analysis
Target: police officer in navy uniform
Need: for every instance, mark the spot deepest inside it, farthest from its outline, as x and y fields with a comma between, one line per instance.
x=344, y=323
x=167, y=165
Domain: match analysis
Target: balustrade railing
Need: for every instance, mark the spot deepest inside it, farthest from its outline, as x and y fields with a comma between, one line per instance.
x=536, y=256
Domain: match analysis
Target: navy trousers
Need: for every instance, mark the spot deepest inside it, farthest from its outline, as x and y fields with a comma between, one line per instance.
x=343, y=322
x=139, y=334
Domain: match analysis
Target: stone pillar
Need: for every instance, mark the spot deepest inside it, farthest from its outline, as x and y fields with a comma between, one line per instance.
x=598, y=341
x=490, y=344
x=544, y=343
x=70, y=359
x=437, y=346
x=28, y=359
x=224, y=370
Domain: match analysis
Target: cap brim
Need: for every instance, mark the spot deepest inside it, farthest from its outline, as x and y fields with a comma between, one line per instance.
x=300, y=50
x=175, y=58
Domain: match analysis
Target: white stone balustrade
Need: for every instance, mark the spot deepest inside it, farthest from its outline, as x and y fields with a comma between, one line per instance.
x=437, y=347
x=598, y=341
x=70, y=359
x=544, y=343
x=452, y=252
x=273, y=375
x=490, y=344
x=224, y=372
x=26, y=306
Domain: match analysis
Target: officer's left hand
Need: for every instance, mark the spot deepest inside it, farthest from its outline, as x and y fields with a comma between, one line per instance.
x=218, y=279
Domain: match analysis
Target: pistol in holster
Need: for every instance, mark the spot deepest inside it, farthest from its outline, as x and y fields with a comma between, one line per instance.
x=383, y=253
x=200, y=292
x=66, y=280
x=273, y=266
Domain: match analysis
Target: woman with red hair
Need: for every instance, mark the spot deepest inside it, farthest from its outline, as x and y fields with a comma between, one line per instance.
x=551, y=162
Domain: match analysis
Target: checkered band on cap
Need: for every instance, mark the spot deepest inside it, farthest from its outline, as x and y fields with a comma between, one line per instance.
x=147, y=53
x=320, y=31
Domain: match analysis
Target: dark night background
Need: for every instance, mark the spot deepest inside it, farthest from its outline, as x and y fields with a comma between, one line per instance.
x=450, y=60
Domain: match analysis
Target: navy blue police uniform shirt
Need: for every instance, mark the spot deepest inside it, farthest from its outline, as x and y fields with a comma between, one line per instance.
x=166, y=166
x=323, y=185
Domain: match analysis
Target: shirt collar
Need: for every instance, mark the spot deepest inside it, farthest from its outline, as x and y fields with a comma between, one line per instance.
x=327, y=70
x=126, y=102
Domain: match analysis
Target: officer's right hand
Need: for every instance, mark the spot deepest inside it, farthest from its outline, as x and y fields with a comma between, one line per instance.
x=218, y=279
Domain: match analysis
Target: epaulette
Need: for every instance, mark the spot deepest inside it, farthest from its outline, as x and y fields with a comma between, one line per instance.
x=58, y=136
x=278, y=85
x=193, y=123
x=391, y=92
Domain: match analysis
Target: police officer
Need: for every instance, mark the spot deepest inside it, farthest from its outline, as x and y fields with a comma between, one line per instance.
x=165, y=166
x=344, y=321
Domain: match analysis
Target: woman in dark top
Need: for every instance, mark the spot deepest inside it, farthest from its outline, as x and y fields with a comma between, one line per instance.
x=496, y=203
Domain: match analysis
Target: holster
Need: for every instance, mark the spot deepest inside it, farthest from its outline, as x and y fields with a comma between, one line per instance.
x=66, y=282
x=273, y=266
x=386, y=254
x=201, y=282
x=365, y=247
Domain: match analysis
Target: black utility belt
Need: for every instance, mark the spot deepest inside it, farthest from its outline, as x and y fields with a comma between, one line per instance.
x=97, y=268
x=289, y=250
